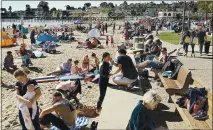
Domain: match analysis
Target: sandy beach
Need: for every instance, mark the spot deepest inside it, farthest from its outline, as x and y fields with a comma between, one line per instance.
x=41, y=67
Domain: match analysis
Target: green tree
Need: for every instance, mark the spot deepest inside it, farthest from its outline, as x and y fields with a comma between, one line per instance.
x=68, y=7
x=53, y=9
x=27, y=10
x=111, y=5
x=133, y=12
x=43, y=7
x=10, y=9
x=87, y=5
x=103, y=5
x=205, y=6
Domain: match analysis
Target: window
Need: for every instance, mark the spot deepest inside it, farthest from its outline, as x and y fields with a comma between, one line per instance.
x=169, y=14
x=165, y=14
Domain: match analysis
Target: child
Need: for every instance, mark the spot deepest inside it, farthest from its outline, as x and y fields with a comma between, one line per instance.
x=8, y=61
x=140, y=118
x=112, y=41
x=85, y=64
x=104, y=79
x=75, y=69
x=107, y=39
x=24, y=109
x=96, y=64
x=25, y=56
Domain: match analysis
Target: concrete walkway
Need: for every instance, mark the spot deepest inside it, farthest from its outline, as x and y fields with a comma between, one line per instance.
x=117, y=108
x=200, y=66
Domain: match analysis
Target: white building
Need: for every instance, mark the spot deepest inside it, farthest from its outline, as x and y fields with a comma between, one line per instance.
x=168, y=14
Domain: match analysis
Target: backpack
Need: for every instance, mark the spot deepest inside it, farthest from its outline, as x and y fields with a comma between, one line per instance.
x=172, y=65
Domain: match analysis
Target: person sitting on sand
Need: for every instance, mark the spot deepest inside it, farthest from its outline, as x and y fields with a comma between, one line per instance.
x=157, y=63
x=85, y=63
x=75, y=69
x=24, y=109
x=22, y=86
x=93, y=43
x=25, y=56
x=97, y=62
x=64, y=68
x=66, y=113
x=125, y=65
x=8, y=62
x=140, y=118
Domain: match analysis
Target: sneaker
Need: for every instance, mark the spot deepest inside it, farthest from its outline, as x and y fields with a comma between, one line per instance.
x=200, y=115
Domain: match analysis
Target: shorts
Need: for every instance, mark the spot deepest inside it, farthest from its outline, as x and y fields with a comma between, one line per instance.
x=121, y=79
x=155, y=65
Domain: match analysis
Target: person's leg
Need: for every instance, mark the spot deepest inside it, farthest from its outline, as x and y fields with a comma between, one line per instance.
x=143, y=64
x=56, y=121
x=187, y=45
x=193, y=46
x=36, y=120
x=201, y=47
x=21, y=121
x=103, y=82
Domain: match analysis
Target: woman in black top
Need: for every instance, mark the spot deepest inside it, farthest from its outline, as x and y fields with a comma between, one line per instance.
x=104, y=78
x=21, y=89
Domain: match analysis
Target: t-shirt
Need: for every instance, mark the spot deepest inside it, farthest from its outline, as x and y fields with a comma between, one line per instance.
x=66, y=111
x=66, y=67
x=22, y=88
x=128, y=69
x=104, y=69
x=201, y=35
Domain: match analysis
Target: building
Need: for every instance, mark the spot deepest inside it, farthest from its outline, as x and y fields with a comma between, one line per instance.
x=169, y=14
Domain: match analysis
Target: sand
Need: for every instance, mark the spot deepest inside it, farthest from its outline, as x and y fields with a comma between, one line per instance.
x=43, y=66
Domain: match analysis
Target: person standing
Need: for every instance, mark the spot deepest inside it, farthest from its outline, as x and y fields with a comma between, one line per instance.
x=104, y=79
x=192, y=36
x=106, y=27
x=32, y=37
x=113, y=28
x=201, y=39
x=21, y=89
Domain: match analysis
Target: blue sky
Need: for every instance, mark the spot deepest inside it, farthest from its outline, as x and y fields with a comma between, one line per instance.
x=20, y=5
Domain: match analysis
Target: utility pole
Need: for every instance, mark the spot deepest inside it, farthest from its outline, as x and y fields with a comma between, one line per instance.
x=184, y=12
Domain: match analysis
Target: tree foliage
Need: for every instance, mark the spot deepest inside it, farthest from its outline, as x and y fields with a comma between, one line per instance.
x=205, y=6
x=103, y=5
x=87, y=5
x=10, y=8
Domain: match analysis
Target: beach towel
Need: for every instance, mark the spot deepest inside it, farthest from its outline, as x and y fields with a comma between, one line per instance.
x=68, y=85
x=80, y=122
x=26, y=116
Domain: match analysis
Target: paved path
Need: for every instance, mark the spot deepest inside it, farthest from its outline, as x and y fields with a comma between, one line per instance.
x=200, y=66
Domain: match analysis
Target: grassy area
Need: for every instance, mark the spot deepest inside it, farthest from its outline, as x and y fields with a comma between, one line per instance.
x=174, y=38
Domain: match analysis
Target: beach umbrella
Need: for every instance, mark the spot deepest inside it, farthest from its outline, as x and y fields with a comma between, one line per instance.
x=78, y=22
x=46, y=37
x=94, y=33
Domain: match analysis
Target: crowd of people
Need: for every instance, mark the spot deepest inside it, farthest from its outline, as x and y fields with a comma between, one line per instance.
x=28, y=92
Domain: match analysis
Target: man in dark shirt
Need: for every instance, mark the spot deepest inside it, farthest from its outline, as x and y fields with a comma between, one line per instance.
x=128, y=71
x=201, y=39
